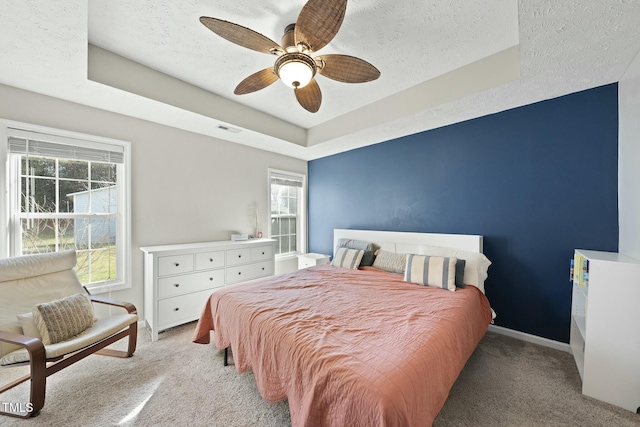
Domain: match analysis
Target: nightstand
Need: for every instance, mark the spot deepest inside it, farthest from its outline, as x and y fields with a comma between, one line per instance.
x=309, y=260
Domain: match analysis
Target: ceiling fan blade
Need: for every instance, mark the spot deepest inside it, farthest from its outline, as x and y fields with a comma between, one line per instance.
x=242, y=36
x=347, y=69
x=256, y=81
x=319, y=22
x=309, y=96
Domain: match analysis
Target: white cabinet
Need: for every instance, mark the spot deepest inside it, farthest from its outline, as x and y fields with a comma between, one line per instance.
x=178, y=279
x=311, y=259
x=605, y=336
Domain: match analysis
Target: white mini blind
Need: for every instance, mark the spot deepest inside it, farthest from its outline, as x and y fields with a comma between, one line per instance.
x=289, y=180
x=44, y=145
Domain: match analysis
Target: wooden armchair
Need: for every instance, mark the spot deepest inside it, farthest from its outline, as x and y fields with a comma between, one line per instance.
x=30, y=280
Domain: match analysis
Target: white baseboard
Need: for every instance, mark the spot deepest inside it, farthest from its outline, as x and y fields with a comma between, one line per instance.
x=531, y=338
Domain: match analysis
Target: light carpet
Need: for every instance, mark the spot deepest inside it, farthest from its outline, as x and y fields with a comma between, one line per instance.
x=173, y=382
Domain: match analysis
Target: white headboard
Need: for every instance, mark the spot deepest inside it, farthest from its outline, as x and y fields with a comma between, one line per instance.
x=404, y=242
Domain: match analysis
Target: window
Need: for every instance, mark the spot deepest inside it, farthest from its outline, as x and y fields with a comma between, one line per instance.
x=69, y=191
x=288, y=205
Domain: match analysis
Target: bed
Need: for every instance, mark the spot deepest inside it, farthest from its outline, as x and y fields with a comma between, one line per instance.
x=356, y=346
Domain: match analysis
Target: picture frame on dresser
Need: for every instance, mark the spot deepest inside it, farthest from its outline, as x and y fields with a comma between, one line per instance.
x=179, y=278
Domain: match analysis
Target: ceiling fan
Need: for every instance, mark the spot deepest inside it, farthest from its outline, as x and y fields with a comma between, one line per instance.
x=317, y=24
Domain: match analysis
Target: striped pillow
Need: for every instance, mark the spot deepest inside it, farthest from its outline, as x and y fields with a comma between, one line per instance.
x=368, y=248
x=64, y=318
x=439, y=272
x=347, y=258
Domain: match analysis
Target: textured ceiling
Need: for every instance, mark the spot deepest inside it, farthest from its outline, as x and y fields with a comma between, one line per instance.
x=408, y=41
x=441, y=62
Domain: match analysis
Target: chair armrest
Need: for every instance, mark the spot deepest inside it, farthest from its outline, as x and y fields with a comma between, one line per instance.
x=131, y=309
x=33, y=345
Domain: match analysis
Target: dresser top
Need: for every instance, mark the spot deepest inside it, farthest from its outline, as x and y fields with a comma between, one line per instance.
x=219, y=244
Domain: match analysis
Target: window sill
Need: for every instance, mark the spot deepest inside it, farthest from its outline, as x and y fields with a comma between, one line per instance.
x=287, y=257
x=107, y=288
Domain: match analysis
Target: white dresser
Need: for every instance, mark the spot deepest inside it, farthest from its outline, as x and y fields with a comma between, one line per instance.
x=178, y=279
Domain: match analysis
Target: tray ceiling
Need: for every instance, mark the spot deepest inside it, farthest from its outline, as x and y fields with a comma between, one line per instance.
x=441, y=62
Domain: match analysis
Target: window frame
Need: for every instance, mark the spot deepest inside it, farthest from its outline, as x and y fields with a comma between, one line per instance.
x=301, y=216
x=9, y=186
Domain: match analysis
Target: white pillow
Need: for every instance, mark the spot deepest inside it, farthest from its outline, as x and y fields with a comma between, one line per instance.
x=29, y=327
x=347, y=258
x=475, y=269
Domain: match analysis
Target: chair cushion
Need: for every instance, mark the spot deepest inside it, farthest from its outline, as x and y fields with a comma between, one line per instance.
x=25, y=266
x=29, y=327
x=13, y=328
x=101, y=329
x=29, y=280
x=64, y=318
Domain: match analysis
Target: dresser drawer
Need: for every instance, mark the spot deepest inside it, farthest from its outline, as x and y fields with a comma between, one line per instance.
x=238, y=256
x=306, y=262
x=175, y=264
x=261, y=253
x=207, y=260
x=182, y=308
x=249, y=271
x=178, y=285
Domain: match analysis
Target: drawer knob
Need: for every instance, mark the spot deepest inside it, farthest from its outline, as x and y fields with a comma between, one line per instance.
x=210, y=259
x=177, y=264
x=239, y=273
x=262, y=252
x=211, y=278
x=239, y=256
x=177, y=285
x=176, y=309
x=262, y=268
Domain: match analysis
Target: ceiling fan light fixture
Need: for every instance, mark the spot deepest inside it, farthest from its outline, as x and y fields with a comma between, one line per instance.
x=317, y=24
x=295, y=69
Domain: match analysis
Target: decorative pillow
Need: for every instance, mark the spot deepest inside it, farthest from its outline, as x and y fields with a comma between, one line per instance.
x=62, y=319
x=460, y=273
x=475, y=269
x=368, y=247
x=347, y=258
x=29, y=327
x=389, y=261
x=439, y=272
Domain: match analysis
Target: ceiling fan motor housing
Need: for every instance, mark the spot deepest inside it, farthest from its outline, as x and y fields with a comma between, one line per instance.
x=288, y=40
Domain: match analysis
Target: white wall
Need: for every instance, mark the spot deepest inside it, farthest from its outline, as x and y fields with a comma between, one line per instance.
x=186, y=187
x=629, y=160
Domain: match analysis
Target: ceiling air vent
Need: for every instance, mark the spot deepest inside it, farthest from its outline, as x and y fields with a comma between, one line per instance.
x=228, y=129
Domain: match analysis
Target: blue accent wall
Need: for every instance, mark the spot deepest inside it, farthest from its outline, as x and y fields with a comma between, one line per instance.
x=536, y=181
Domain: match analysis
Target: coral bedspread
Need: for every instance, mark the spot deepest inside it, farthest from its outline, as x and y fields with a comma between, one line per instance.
x=348, y=347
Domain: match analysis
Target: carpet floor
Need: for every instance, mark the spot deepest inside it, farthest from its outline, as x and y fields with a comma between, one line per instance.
x=173, y=382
